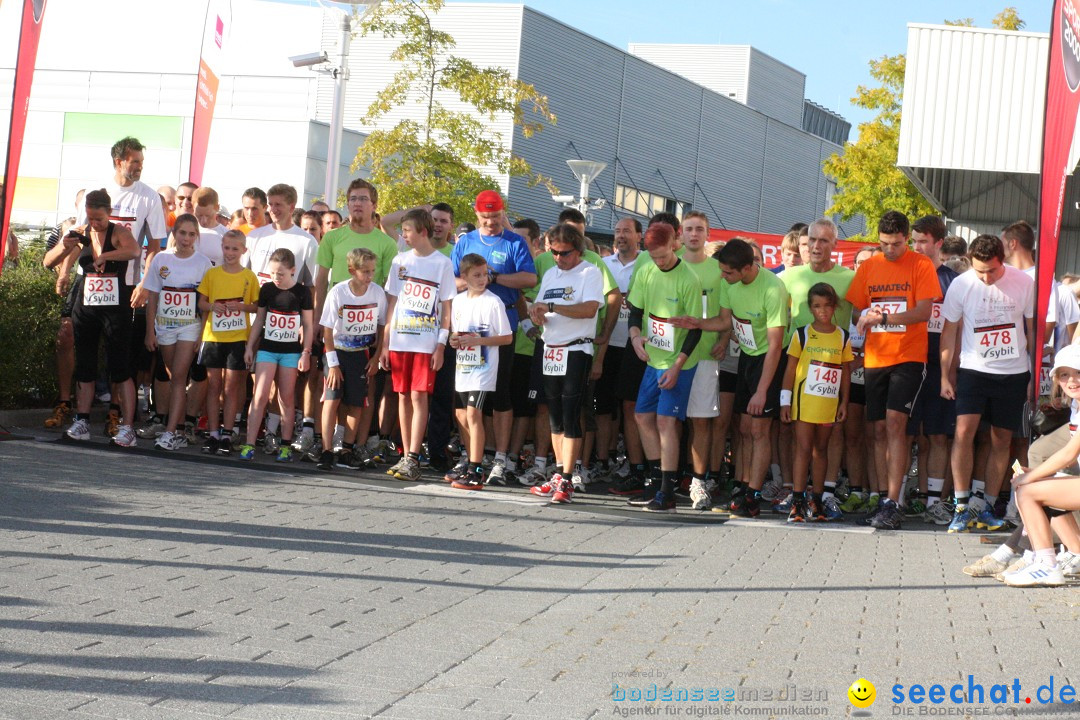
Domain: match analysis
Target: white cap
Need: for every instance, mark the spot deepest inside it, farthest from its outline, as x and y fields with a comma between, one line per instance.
x=1068, y=356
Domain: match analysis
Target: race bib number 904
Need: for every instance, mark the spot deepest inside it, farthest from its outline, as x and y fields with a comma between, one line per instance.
x=358, y=320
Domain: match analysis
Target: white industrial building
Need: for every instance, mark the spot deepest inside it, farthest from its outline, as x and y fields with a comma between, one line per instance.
x=723, y=129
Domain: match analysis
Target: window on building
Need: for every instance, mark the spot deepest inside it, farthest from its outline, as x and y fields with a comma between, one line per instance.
x=647, y=204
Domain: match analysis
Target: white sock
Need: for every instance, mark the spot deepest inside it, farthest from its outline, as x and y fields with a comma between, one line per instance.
x=500, y=456
x=273, y=422
x=1029, y=556
x=1003, y=554
x=1046, y=556
x=934, y=487
x=775, y=470
x=541, y=462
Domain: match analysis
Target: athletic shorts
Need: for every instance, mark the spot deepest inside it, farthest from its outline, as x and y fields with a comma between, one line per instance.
x=630, y=376
x=139, y=357
x=522, y=398
x=669, y=403
x=726, y=382
x=173, y=335
x=227, y=355
x=998, y=398
x=893, y=387
x=932, y=414
x=704, y=393
x=94, y=328
x=536, y=375
x=197, y=372
x=353, y=390
x=750, y=368
x=412, y=371
x=471, y=398
x=501, y=399
x=605, y=401
x=286, y=360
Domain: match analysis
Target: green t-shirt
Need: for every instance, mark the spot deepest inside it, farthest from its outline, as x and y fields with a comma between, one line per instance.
x=523, y=344
x=336, y=244
x=756, y=307
x=798, y=281
x=446, y=249
x=663, y=295
x=545, y=261
x=711, y=278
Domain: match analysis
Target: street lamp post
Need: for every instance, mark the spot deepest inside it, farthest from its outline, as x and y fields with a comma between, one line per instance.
x=585, y=171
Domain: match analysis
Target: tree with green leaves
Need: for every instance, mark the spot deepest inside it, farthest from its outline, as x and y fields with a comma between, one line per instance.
x=868, y=183
x=434, y=157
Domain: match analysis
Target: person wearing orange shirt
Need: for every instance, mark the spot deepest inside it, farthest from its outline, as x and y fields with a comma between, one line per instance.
x=893, y=292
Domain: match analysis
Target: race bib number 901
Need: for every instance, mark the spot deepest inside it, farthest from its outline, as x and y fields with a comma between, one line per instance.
x=176, y=304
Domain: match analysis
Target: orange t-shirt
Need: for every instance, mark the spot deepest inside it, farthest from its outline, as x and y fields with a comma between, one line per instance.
x=895, y=287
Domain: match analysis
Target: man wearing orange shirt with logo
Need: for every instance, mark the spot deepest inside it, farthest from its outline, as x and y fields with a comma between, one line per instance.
x=894, y=292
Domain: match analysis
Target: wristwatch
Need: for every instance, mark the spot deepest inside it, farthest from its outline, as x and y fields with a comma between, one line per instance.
x=492, y=277
x=551, y=307
x=884, y=319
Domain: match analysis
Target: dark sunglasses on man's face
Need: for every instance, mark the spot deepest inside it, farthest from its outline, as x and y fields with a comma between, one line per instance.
x=560, y=253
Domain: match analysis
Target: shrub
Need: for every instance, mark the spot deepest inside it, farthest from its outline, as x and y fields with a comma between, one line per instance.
x=29, y=318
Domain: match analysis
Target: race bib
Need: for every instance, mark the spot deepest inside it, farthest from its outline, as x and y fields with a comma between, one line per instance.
x=281, y=326
x=661, y=334
x=858, y=377
x=823, y=380
x=1045, y=384
x=997, y=342
x=176, y=304
x=555, y=360
x=470, y=356
x=223, y=322
x=892, y=306
x=419, y=296
x=101, y=290
x=359, y=320
x=744, y=333
x=734, y=349
x=936, y=323
x=263, y=278
x=624, y=311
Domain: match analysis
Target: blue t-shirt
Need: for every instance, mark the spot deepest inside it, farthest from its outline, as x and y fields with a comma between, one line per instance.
x=507, y=253
x=945, y=276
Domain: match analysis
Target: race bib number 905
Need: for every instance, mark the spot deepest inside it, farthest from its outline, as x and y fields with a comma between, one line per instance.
x=282, y=327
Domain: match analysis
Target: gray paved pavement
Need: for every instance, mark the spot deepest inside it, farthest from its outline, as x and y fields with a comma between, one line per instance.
x=139, y=586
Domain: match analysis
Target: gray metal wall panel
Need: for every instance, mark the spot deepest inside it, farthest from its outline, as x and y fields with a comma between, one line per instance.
x=776, y=89
x=730, y=163
x=790, y=192
x=724, y=69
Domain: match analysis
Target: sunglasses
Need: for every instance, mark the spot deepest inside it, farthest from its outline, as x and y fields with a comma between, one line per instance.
x=560, y=253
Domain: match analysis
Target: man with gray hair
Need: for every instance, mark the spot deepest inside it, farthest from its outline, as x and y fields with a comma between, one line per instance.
x=822, y=268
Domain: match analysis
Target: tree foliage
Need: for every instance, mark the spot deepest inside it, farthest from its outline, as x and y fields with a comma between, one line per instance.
x=868, y=183
x=435, y=158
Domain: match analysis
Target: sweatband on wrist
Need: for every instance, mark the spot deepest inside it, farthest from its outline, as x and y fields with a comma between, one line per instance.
x=331, y=358
x=785, y=398
x=444, y=335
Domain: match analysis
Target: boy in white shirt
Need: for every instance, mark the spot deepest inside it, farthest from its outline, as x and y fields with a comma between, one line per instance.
x=211, y=231
x=478, y=322
x=420, y=287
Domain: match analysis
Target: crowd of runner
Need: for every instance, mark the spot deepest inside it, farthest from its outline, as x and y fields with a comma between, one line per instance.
x=661, y=368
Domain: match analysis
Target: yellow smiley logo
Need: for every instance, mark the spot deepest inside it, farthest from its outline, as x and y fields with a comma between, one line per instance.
x=862, y=693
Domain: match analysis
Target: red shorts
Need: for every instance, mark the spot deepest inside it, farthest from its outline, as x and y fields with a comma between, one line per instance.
x=412, y=371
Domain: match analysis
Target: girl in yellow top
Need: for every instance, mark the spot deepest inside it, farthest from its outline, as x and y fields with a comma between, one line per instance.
x=814, y=396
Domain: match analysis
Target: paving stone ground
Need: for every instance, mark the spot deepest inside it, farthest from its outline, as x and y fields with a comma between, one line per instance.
x=155, y=586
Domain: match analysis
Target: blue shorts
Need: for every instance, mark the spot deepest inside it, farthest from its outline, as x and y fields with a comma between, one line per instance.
x=289, y=360
x=670, y=403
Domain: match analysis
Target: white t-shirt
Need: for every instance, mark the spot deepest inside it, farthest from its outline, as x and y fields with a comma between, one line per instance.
x=483, y=315
x=1061, y=309
x=209, y=243
x=994, y=337
x=421, y=285
x=355, y=319
x=582, y=284
x=175, y=280
x=262, y=242
x=138, y=208
x=620, y=334
x=1074, y=418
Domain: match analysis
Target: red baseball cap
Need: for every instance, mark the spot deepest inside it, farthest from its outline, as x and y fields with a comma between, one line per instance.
x=489, y=201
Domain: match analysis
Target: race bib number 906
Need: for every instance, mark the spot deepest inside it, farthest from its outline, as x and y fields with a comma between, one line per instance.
x=419, y=296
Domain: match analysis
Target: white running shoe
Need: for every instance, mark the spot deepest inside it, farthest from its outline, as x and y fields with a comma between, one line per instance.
x=497, y=474
x=304, y=442
x=699, y=495
x=532, y=477
x=170, y=441
x=1069, y=564
x=1037, y=574
x=125, y=437
x=79, y=430
x=988, y=566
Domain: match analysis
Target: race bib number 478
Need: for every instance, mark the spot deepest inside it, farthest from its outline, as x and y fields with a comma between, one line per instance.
x=997, y=342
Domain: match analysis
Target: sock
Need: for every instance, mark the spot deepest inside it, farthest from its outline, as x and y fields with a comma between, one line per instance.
x=191, y=420
x=224, y=433
x=653, y=468
x=639, y=470
x=346, y=447
x=977, y=489
x=500, y=456
x=819, y=498
x=273, y=422
x=478, y=467
x=511, y=465
x=114, y=406
x=775, y=470
x=414, y=456
x=541, y=462
x=82, y=416
x=1003, y=554
x=858, y=490
x=798, y=494
x=667, y=481
x=830, y=490
x=962, y=497
x=933, y=491
x=309, y=423
x=216, y=434
x=318, y=437
x=1046, y=556
x=698, y=480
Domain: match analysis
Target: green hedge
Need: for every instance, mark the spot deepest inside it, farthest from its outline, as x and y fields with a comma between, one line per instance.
x=29, y=318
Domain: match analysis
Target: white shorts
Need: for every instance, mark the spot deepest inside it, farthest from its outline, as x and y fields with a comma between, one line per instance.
x=172, y=335
x=705, y=392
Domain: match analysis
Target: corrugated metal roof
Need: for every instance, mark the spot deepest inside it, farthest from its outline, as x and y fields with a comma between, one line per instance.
x=973, y=99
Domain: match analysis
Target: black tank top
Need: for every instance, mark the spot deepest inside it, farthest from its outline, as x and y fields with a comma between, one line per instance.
x=112, y=267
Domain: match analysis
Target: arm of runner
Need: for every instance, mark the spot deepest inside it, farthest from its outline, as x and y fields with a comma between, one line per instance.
x=637, y=315
x=788, y=384
x=579, y=311
x=614, y=304
x=333, y=374
x=772, y=361
x=515, y=281
x=920, y=313
x=949, y=333
x=384, y=350
x=322, y=282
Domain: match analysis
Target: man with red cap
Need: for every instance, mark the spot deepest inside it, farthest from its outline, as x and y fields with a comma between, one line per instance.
x=510, y=270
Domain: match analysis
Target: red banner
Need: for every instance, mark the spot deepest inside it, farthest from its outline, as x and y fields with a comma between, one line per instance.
x=33, y=14
x=218, y=22
x=770, y=246
x=1060, y=148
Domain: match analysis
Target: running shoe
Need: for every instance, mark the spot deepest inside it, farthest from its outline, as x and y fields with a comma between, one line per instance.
x=815, y=511
x=458, y=472
x=410, y=471
x=784, y=506
x=191, y=433
x=699, y=495
x=832, y=509
x=326, y=460
x=1037, y=574
x=497, y=474
x=125, y=437
x=348, y=459
x=247, y=452
x=988, y=566
x=580, y=478
x=963, y=519
x=547, y=489
x=61, y=414
x=633, y=485
x=210, y=445
x=112, y=423
x=1018, y=564
x=79, y=430
x=384, y=452
x=888, y=517
x=151, y=428
x=468, y=481
x=986, y=520
x=285, y=454
x=533, y=476
x=1069, y=564
x=396, y=468
x=314, y=453
x=648, y=492
x=773, y=489
x=621, y=470
x=915, y=508
x=564, y=491
x=224, y=447
x=854, y=502
x=271, y=443
x=661, y=503
x=940, y=513
x=303, y=444
x=745, y=506
x=797, y=511
x=872, y=504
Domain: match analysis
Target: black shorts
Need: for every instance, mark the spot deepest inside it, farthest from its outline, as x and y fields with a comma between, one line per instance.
x=140, y=358
x=605, y=401
x=893, y=387
x=69, y=299
x=502, y=399
x=536, y=374
x=353, y=390
x=522, y=400
x=932, y=414
x=223, y=355
x=857, y=394
x=750, y=367
x=631, y=372
x=728, y=382
x=472, y=398
x=999, y=398
x=90, y=327
x=566, y=394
